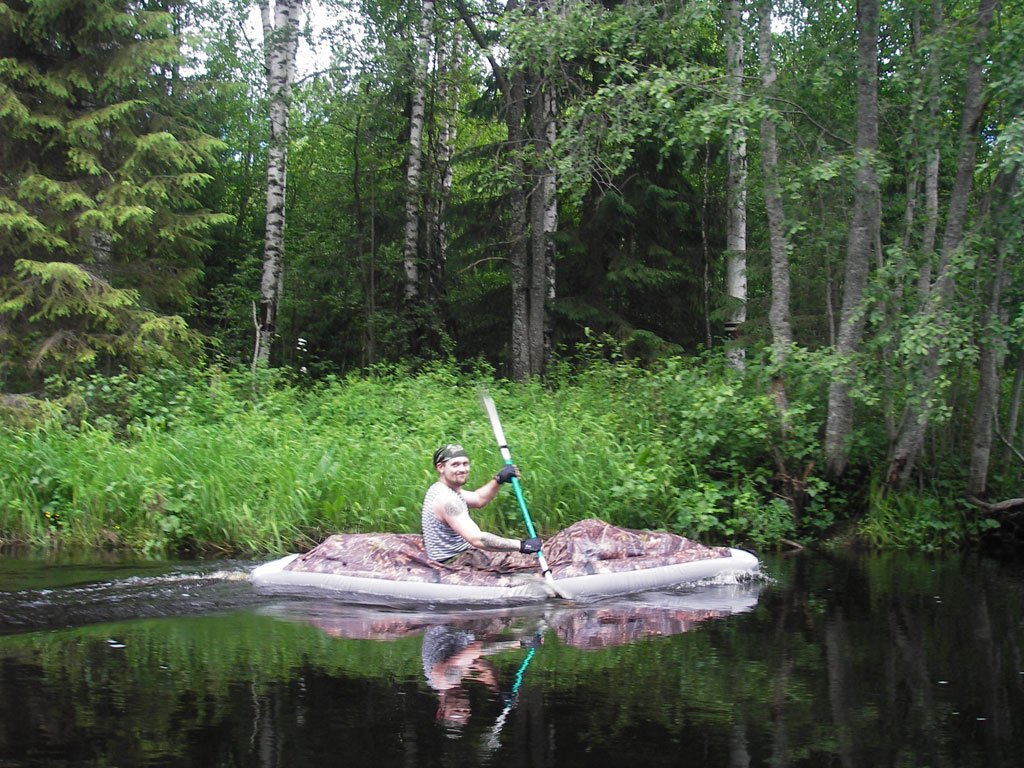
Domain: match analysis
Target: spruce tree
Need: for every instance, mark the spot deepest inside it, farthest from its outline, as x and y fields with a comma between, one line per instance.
x=101, y=231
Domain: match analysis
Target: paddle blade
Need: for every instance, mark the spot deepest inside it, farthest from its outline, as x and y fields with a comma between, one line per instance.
x=499, y=433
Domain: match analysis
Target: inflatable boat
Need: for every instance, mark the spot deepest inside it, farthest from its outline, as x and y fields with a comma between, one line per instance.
x=590, y=560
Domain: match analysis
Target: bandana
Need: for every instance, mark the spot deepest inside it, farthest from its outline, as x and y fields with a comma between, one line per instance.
x=447, y=452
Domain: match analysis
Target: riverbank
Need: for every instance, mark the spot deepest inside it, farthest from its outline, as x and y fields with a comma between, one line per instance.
x=220, y=461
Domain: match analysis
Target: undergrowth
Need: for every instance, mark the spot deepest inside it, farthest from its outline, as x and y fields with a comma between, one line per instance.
x=218, y=460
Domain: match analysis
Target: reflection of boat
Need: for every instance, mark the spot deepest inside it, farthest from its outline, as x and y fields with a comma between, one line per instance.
x=616, y=621
x=589, y=560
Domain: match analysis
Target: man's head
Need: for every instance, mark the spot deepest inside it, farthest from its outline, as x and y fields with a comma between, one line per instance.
x=447, y=452
x=452, y=465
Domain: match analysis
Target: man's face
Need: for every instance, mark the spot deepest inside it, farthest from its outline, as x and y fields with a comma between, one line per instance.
x=454, y=472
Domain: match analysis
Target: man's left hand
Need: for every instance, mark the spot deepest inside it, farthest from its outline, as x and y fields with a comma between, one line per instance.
x=530, y=546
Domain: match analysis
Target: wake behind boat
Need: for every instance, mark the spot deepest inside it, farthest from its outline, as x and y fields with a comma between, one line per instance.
x=589, y=560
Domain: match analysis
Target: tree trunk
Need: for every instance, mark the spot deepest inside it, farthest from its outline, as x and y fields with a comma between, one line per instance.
x=864, y=231
x=550, y=222
x=705, y=248
x=931, y=178
x=1013, y=415
x=778, y=313
x=993, y=339
x=910, y=440
x=793, y=485
x=280, y=40
x=365, y=245
x=447, y=100
x=513, y=90
x=410, y=250
x=543, y=223
x=986, y=404
x=736, y=191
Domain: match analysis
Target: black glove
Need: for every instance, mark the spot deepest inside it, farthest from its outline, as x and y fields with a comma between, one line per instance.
x=530, y=546
x=506, y=473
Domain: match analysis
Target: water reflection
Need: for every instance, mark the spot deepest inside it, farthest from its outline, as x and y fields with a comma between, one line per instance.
x=612, y=622
x=452, y=657
x=456, y=646
x=844, y=660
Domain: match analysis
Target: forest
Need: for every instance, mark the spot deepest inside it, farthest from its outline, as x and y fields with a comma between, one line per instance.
x=743, y=270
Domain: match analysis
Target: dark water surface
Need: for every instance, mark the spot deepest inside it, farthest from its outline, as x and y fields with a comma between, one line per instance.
x=845, y=660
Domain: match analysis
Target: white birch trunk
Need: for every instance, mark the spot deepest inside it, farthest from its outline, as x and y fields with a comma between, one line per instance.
x=415, y=158
x=543, y=222
x=736, y=235
x=280, y=40
x=550, y=218
x=447, y=98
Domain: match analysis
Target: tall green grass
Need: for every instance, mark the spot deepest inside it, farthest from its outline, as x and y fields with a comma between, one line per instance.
x=218, y=461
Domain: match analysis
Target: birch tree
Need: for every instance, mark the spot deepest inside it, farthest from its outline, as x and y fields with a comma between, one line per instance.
x=446, y=98
x=736, y=186
x=544, y=216
x=280, y=39
x=414, y=161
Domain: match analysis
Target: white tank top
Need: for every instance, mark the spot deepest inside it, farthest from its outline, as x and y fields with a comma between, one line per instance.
x=440, y=541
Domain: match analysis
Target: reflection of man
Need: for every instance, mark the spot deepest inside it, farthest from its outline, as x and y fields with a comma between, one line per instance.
x=452, y=656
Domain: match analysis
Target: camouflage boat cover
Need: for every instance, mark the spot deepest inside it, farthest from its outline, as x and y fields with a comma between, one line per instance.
x=610, y=623
x=585, y=548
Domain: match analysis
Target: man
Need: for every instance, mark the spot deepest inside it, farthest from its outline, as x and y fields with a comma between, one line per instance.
x=448, y=529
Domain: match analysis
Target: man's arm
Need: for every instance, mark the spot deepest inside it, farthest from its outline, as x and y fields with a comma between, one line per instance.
x=466, y=527
x=483, y=495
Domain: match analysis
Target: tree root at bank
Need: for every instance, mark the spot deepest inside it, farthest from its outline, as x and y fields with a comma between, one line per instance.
x=1008, y=538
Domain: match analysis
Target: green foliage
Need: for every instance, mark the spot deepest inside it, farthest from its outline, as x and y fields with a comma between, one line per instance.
x=912, y=520
x=217, y=460
x=124, y=224
x=70, y=319
x=101, y=225
x=181, y=460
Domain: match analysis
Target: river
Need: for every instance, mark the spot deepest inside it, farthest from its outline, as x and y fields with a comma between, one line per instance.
x=840, y=659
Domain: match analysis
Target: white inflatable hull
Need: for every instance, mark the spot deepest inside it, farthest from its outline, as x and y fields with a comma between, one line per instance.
x=739, y=565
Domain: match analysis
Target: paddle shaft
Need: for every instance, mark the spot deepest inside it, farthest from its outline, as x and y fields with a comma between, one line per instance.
x=513, y=697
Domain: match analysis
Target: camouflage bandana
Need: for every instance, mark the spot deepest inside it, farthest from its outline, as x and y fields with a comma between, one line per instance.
x=447, y=452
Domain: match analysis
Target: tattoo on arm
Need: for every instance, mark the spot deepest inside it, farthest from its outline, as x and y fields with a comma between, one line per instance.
x=498, y=543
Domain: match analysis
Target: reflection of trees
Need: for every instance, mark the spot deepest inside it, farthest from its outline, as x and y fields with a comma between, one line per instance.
x=878, y=661
x=900, y=665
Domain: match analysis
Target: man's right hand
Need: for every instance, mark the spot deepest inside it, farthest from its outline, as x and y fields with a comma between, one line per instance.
x=530, y=546
x=506, y=473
